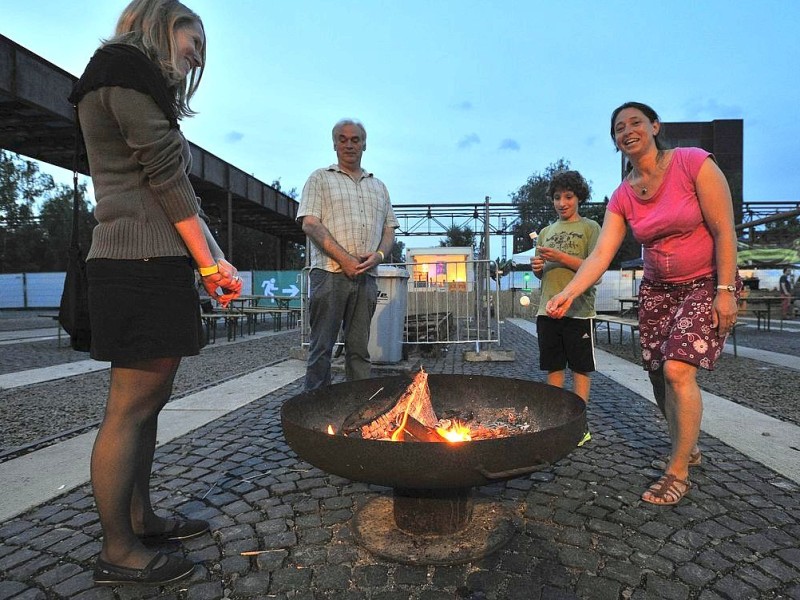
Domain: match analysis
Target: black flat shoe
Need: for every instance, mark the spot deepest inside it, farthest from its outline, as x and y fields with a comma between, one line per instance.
x=181, y=530
x=163, y=569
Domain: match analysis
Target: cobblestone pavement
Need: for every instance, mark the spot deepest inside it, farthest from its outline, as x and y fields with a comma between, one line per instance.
x=583, y=531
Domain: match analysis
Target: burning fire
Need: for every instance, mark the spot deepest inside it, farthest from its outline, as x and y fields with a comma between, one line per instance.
x=412, y=419
x=455, y=432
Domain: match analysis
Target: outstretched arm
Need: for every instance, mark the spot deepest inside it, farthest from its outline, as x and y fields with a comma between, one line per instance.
x=593, y=266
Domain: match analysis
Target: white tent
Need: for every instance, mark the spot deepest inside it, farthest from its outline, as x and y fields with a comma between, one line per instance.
x=523, y=258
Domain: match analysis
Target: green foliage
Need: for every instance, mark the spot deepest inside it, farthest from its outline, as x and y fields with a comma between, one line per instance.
x=458, y=237
x=534, y=206
x=36, y=218
x=536, y=212
x=397, y=255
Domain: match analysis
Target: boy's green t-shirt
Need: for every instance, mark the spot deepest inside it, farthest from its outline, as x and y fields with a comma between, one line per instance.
x=576, y=238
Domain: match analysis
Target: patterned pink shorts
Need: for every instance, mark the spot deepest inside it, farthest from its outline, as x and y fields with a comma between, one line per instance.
x=675, y=323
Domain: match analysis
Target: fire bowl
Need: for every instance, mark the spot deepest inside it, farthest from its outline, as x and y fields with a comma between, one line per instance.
x=557, y=417
x=433, y=518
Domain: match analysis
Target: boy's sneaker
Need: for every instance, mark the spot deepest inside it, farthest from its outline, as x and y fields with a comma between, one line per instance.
x=586, y=437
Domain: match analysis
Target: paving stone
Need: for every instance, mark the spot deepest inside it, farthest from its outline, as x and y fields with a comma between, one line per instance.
x=31, y=594
x=285, y=539
x=579, y=558
x=734, y=588
x=756, y=578
x=523, y=589
x=664, y=588
x=623, y=571
x=758, y=542
x=252, y=585
x=9, y=589
x=585, y=532
x=309, y=556
x=371, y=575
x=331, y=577
x=695, y=575
x=778, y=569
x=598, y=588
x=290, y=578
x=95, y=593
x=74, y=585
x=27, y=569
x=448, y=576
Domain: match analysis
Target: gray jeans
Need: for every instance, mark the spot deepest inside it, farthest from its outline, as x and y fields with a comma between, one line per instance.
x=337, y=302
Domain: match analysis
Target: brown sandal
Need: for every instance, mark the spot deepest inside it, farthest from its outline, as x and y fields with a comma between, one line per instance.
x=666, y=491
x=695, y=459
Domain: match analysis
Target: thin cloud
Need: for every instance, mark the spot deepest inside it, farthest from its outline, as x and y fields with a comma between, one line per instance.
x=465, y=105
x=709, y=109
x=469, y=140
x=509, y=144
x=234, y=136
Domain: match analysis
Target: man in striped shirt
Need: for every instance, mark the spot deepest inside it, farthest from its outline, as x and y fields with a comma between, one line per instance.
x=346, y=213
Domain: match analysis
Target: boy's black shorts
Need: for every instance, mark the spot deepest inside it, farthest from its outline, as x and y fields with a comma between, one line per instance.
x=565, y=342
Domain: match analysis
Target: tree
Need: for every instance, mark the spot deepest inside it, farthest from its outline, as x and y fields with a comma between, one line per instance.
x=397, y=255
x=534, y=206
x=458, y=236
x=536, y=212
x=55, y=219
x=27, y=243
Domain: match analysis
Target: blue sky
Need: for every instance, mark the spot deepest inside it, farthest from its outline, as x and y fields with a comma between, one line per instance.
x=466, y=99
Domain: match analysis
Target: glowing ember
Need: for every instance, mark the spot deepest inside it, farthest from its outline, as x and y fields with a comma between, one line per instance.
x=412, y=418
x=455, y=432
x=330, y=430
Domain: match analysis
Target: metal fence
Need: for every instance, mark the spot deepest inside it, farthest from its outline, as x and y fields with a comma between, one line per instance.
x=454, y=303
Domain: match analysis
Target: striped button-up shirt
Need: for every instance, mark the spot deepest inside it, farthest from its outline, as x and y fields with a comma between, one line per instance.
x=354, y=211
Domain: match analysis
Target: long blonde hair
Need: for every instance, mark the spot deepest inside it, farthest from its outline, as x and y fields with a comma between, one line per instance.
x=150, y=26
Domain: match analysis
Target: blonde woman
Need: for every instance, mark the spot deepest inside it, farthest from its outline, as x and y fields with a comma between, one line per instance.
x=143, y=302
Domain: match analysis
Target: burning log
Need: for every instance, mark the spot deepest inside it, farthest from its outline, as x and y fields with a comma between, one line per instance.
x=414, y=402
x=414, y=431
x=408, y=415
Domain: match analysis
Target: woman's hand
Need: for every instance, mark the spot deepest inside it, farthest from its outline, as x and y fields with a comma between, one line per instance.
x=724, y=312
x=226, y=280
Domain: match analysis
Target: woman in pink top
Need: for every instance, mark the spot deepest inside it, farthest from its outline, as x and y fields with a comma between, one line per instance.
x=678, y=205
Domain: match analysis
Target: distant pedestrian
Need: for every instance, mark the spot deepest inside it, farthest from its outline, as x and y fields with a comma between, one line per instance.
x=561, y=248
x=143, y=303
x=346, y=213
x=785, y=289
x=678, y=204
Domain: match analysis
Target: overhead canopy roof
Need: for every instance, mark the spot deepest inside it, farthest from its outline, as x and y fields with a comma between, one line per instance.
x=37, y=121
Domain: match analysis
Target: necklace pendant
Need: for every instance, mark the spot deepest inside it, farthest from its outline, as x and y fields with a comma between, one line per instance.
x=644, y=191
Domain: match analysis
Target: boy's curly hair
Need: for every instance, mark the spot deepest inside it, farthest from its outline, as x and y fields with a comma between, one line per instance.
x=572, y=181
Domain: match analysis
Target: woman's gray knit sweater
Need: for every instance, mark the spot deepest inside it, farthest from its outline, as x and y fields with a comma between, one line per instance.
x=139, y=167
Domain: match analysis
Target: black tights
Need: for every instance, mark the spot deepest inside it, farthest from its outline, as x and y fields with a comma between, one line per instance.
x=122, y=457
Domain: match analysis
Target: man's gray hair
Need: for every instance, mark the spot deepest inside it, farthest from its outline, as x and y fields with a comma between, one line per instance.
x=354, y=123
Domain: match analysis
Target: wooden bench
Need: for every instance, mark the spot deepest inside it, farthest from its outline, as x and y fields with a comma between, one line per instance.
x=277, y=314
x=233, y=324
x=58, y=325
x=623, y=322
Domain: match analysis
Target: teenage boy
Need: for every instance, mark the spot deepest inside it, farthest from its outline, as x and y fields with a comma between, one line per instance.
x=561, y=248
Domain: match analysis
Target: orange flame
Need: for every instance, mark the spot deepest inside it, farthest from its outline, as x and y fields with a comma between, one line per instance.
x=330, y=430
x=457, y=432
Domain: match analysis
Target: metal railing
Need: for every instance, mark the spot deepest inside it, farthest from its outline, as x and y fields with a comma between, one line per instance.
x=447, y=303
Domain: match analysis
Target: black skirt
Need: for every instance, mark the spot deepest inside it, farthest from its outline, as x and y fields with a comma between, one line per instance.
x=143, y=309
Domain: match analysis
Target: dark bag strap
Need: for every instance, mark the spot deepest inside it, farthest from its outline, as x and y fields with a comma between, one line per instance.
x=76, y=213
